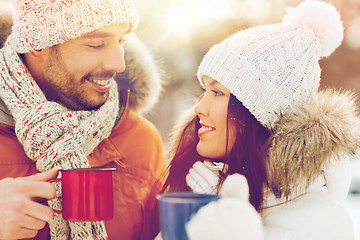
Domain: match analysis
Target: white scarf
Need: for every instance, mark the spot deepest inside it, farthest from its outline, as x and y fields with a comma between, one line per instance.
x=53, y=135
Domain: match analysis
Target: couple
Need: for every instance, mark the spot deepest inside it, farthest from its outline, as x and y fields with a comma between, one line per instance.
x=260, y=116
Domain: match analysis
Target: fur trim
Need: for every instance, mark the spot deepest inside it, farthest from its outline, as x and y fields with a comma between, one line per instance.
x=5, y=21
x=142, y=76
x=178, y=129
x=304, y=141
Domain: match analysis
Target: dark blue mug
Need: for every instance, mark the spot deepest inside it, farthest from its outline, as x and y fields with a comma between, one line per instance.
x=176, y=210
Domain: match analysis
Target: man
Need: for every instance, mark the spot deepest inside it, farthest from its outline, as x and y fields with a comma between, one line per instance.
x=65, y=103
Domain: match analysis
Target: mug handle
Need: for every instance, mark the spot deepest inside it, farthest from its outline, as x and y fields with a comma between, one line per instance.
x=51, y=181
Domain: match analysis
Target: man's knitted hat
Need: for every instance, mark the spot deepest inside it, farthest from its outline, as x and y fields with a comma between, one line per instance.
x=270, y=68
x=40, y=24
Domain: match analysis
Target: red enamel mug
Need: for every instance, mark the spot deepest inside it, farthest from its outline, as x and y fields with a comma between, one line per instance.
x=87, y=194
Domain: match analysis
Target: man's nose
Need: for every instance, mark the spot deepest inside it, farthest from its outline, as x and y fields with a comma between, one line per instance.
x=114, y=61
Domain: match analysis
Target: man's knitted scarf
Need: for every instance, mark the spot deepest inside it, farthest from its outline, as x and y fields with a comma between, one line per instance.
x=53, y=135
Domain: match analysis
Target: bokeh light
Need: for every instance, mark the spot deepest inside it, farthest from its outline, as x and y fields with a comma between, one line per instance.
x=353, y=33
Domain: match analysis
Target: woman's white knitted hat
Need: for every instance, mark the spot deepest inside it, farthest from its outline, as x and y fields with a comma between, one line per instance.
x=269, y=68
x=40, y=24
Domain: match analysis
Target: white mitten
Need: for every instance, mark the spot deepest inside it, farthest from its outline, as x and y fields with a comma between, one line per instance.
x=235, y=186
x=201, y=179
x=232, y=217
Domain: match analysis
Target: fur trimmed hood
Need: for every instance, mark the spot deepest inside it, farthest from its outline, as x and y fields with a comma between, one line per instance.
x=5, y=21
x=142, y=76
x=305, y=141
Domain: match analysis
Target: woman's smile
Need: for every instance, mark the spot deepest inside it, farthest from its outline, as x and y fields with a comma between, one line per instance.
x=205, y=129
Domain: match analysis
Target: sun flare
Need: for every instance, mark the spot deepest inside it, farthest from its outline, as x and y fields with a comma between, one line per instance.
x=178, y=19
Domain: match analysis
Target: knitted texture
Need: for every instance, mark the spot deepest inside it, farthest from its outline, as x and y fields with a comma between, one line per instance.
x=53, y=136
x=40, y=24
x=269, y=68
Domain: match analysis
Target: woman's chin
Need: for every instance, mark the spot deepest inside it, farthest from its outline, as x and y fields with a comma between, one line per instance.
x=209, y=151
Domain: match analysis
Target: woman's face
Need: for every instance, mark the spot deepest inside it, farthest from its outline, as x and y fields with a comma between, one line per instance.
x=212, y=110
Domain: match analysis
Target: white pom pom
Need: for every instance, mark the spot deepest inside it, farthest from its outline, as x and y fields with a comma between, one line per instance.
x=323, y=19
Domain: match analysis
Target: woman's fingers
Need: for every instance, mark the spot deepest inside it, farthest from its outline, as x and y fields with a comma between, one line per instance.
x=202, y=180
x=193, y=182
x=208, y=175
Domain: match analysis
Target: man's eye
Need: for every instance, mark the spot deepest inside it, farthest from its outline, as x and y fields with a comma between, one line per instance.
x=96, y=45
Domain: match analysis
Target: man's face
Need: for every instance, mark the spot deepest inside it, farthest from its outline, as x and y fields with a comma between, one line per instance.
x=77, y=73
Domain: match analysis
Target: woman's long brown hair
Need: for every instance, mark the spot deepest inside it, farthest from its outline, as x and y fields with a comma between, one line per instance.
x=246, y=156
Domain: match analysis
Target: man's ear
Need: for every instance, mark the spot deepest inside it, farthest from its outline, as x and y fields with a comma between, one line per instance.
x=37, y=55
x=34, y=62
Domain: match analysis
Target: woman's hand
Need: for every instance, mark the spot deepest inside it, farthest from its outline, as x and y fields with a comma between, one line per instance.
x=230, y=217
x=158, y=237
x=235, y=186
x=201, y=179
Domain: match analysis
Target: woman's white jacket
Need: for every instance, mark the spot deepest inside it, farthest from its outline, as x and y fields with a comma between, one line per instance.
x=309, y=170
x=317, y=214
x=308, y=178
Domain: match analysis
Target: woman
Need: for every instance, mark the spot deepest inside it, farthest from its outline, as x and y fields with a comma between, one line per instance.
x=262, y=116
x=206, y=136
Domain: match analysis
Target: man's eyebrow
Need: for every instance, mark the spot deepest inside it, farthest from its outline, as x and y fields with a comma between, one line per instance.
x=102, y=34
x=98, y=35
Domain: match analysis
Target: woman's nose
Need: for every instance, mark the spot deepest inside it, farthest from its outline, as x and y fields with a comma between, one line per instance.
x=202, y=107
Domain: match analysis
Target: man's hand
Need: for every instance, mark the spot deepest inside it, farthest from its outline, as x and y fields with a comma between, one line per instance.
x=20, y=215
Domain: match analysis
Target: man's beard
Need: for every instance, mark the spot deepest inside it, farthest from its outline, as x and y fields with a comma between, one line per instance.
x=67, y=90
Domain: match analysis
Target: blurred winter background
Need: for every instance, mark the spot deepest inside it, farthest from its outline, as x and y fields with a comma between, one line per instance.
x=179, y=33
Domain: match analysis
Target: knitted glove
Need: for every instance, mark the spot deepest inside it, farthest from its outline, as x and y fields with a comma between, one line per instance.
x=201, y=179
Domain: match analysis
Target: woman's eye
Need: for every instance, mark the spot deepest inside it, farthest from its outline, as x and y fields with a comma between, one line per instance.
x=217, y=93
